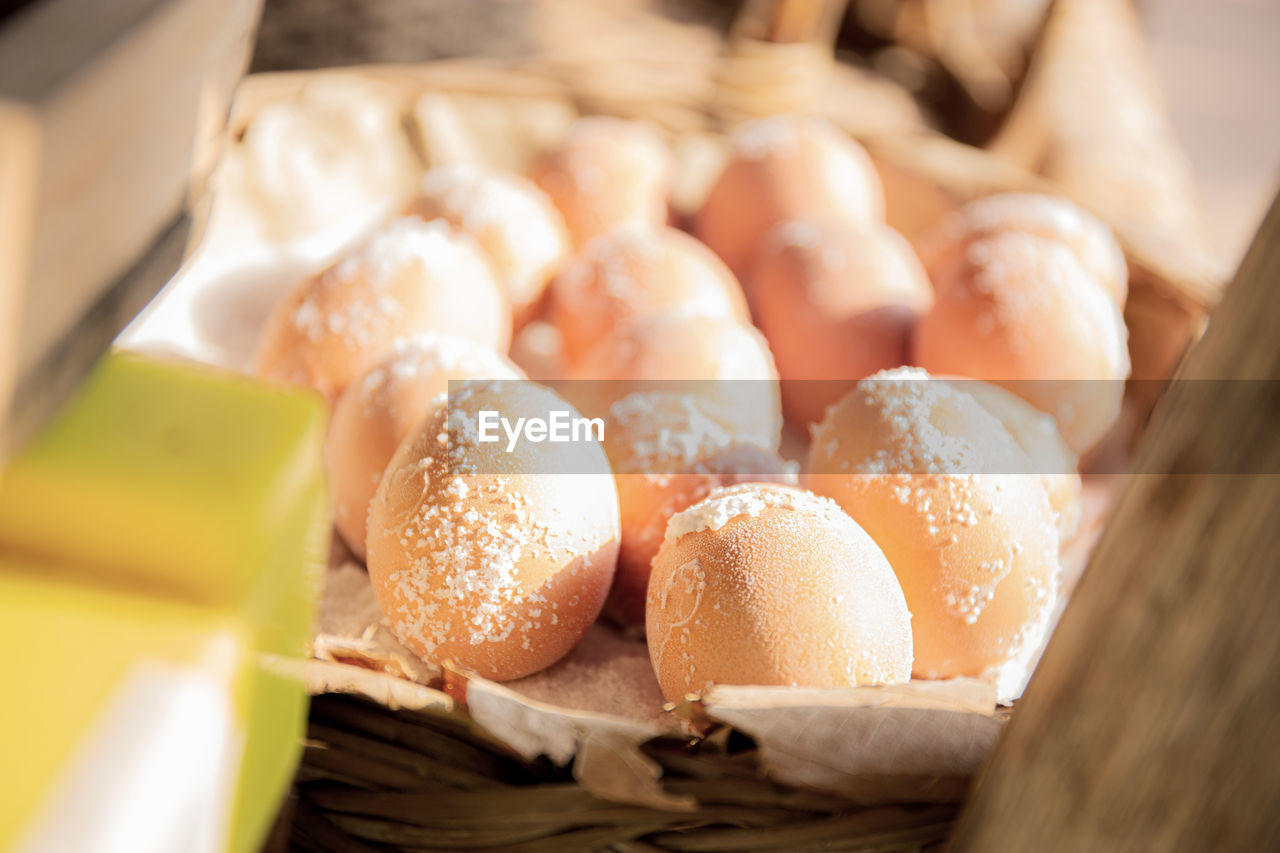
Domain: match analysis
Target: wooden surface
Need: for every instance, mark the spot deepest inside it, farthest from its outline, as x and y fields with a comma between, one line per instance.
x=1153, y=721
x=19, y=148
x=123, y=107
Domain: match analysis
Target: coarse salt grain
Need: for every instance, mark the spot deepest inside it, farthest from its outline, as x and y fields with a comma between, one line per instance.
x=442, y=252
x=749, y=500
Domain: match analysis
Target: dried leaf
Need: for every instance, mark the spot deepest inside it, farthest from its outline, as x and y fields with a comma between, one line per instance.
x=328, y=677
x=537, y=728
x=919, y=741
x=610, y=767
x=967, y=695
x=359, y=651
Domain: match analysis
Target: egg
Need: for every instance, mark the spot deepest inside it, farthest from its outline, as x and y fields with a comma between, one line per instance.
x=538, y=350
x=836, y=302
x=1051, y=217
x=381, y=407
x=940, y=487
x=633, y=271
x=1037, y=434
x=668, y=453
x=1019, y=310
x=410, y=277
x=783, y=168
x=606, y=172
x=772, y=585
x=726, y=363
x=514, y=222
x=493, y=559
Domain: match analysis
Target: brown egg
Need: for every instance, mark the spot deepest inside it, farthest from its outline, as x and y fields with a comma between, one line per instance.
x=726, y=363
x=668, y=453
x=497, y=561
x=608, y=171
x=514, y=222
x=538, y=350
x=633, y=271
x=1051, y=217
x=1037, y=434
x=783, y=168
x=836, y=302
x=767, y=584
x=383, y=405
x=1016, y=309
x=976, y=552
x=410, y=277
x=914, y=204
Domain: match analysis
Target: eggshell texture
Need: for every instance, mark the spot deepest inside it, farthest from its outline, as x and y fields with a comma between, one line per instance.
x=905, y=421
x=410, y=277
x=608, y=171
x=1051, y=217
x=976, y=553
x=836, y=302
x=647, y=429
x=667, y=453
x=1037, y=434
x=634, y=271
x=1015, y=308
x=783, y=168
x=496, y=561
x=726, y=363
x=538, y=350
x=381, y=407
x=766, y=584
x=514, y=222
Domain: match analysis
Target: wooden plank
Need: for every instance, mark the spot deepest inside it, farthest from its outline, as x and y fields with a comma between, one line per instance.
x=19, y=150
x=1153, y=721
x=125, y=104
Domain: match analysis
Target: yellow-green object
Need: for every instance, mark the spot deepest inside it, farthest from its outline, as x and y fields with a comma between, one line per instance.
x=190, y=485
x=169, y=477
x=97, y=682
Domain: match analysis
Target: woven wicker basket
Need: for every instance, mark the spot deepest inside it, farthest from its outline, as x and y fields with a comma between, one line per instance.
x=391, y=764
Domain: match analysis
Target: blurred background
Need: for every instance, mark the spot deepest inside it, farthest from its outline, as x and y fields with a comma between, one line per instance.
x=963, y=60
x=1215, y=58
